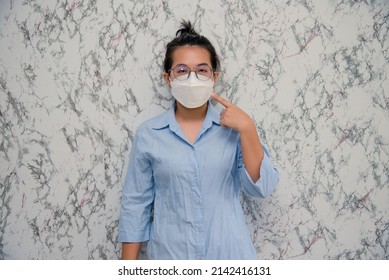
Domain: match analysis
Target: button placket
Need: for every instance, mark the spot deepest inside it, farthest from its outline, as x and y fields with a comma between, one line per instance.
x=196, y=200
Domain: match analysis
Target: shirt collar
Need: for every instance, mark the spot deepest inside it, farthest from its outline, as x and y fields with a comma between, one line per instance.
x=169, y=120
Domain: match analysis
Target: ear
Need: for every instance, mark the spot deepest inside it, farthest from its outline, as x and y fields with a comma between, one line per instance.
x=216, y=76
x=166, y=78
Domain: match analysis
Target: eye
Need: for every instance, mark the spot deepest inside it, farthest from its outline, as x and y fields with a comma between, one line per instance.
x=181, y=70
x=203, y=69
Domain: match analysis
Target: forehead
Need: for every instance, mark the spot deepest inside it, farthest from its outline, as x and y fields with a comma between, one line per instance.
x=191, y=56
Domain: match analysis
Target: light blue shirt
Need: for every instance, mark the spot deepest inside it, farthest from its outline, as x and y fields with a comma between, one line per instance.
x=194, y=189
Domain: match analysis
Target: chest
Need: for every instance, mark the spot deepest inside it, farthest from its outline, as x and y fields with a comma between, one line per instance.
x=191, y=130
x=213, y=153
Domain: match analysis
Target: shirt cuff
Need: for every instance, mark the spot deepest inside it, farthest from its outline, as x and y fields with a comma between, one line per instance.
x=266, y=184
x=134, y=236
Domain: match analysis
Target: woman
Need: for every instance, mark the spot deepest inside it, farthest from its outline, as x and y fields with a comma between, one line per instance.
x=189, y=165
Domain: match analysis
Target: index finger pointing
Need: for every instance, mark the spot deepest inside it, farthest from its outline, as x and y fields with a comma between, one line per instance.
x=221, y=100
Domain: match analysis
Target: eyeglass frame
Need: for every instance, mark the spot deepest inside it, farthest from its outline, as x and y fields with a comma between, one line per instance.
x=193, y=69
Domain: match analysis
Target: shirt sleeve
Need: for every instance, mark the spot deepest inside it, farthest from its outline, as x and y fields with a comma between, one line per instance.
x=269, y=177
x=137, y=194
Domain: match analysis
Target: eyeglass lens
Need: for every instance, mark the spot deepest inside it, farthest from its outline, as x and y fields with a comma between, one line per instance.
x=182, y=72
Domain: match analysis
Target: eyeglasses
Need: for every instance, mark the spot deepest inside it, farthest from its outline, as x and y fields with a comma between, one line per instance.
x=182, y=72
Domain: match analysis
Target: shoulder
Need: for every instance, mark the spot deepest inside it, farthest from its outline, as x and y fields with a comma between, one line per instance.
x=153, y=123
x=145, y=133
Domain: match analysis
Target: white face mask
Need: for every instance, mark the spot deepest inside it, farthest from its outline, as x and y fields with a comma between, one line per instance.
x=192, y=93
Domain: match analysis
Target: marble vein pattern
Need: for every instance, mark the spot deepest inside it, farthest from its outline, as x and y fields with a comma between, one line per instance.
x=78, y=77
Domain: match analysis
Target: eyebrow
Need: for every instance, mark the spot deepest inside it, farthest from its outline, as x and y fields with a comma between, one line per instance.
x=201, y=64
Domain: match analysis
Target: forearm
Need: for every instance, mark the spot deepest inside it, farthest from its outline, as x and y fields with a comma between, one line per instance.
x=252, y=151
x=130, y=250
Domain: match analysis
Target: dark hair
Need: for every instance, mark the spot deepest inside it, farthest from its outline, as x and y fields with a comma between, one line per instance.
x=187, y=36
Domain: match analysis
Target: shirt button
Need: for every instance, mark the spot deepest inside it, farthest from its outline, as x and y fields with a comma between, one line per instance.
x=197, y=201
x=200, y=230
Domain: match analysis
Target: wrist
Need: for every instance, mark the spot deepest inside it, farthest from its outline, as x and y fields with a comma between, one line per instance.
x=247, y=127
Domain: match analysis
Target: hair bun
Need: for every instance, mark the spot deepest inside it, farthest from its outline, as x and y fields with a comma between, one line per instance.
x=187, y=36
x=187, y=28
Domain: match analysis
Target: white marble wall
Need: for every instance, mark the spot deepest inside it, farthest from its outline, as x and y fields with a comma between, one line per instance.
x=77, y=78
